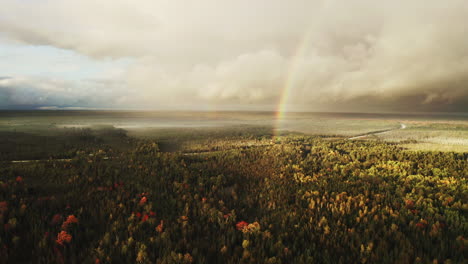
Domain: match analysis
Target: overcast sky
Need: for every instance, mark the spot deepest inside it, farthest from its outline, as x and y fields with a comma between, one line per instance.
x=348, y=55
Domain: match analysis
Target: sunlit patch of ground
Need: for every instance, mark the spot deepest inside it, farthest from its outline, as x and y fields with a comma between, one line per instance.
x=177, y=130
x=431, y=136
x=339, y=126
x=435, y=147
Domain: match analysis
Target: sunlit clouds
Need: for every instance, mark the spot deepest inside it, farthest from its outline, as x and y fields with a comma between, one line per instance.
x=358, y=55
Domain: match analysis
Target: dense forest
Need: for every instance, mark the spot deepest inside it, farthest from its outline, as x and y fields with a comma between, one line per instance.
x=242, y=198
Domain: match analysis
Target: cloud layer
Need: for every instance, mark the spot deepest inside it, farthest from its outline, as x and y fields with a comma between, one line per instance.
x=356, y=55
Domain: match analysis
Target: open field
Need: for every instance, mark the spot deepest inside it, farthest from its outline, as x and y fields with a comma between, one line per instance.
x=436, y=136
x=422, y=131
x=235, y=191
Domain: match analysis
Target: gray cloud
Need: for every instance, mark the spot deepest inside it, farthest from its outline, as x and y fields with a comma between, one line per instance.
x=358, y=55
x=41, y=92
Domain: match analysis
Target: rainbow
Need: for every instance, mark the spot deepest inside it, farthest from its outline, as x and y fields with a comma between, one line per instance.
x=290, y=81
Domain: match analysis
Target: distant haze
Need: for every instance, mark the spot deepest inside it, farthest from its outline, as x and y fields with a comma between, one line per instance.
x=353, y=55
